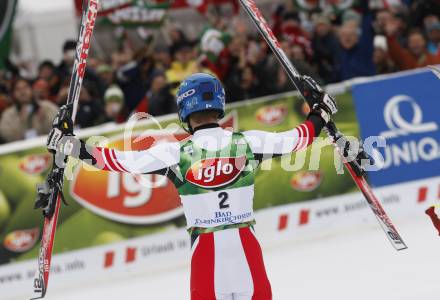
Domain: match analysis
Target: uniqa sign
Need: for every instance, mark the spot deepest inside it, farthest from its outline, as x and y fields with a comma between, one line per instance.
x=420, y=146
x=401, y=110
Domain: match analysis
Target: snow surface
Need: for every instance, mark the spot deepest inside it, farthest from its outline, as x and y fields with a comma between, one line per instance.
x=360, y=264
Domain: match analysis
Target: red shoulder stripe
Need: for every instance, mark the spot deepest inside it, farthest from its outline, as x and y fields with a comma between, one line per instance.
x=109, y=161
x=100, y=159
x=115, y=160
x=300, y=134
x=312, y=133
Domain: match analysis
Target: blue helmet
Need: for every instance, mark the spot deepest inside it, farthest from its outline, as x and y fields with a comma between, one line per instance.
x=200, y=92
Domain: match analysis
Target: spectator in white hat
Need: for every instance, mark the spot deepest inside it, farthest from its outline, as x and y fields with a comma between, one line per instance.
x=114, y=104
x=381, y=58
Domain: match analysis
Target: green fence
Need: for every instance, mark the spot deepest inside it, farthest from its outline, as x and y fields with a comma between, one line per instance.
x=106, y=207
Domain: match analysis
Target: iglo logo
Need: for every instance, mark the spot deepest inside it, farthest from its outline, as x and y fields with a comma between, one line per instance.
x=187, y=94
x=20, y=241
x=272, y=115
x=35, y=163
x=215, y=172
x=306, y=181
x=398, y=125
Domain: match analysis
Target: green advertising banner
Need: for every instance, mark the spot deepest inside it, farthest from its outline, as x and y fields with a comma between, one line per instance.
x=7, y=13
x=334, y=5
x=137, y=13
x=106, y=207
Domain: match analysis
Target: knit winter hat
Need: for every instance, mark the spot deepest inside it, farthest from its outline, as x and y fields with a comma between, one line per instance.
x=104, y=68
x=114, y=94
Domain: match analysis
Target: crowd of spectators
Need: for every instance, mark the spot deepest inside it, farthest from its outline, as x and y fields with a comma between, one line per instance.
x=369, y=38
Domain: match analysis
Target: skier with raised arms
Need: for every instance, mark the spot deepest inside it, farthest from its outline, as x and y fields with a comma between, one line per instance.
x=214, y=172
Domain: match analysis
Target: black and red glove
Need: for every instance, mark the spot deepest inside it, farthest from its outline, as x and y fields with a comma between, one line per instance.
x=320, y=103
x=62, y=125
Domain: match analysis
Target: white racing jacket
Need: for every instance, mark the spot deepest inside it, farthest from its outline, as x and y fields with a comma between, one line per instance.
x=213, y=171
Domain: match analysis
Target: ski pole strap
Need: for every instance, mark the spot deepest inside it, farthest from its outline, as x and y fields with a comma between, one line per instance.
x=200, y=230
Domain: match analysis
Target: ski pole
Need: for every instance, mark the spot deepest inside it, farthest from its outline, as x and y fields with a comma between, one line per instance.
x=50, y=193
x=353, y=165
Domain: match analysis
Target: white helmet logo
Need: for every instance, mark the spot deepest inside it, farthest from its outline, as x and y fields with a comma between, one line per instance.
x=187, y=94
x=398, y=125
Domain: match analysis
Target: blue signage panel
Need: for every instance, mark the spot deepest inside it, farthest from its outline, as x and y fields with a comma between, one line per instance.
x=405, y=111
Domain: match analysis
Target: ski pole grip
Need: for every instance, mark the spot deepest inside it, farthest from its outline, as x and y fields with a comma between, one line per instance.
x=333, y=131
